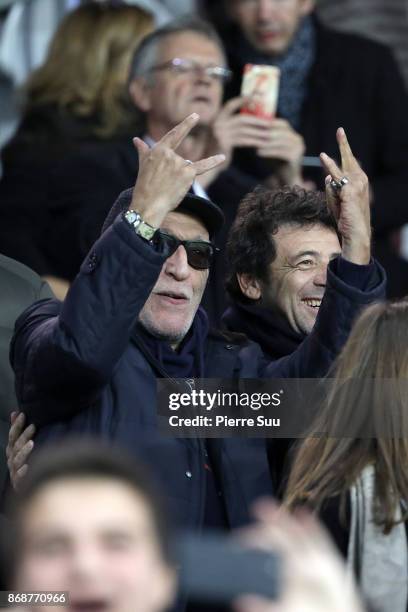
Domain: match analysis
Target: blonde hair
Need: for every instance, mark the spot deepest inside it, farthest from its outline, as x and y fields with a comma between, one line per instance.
x=87, y=66
x=368, y=396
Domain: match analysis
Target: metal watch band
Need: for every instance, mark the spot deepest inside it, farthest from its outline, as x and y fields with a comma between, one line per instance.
x=142, y=229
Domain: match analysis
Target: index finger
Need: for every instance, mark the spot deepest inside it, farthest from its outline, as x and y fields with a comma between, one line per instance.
x=348, y=161
x=16, y=428
x=25, y=437
x=330, y=166
x=282, y=124
x=232, y=105
x=204, y=165
x=173, y=138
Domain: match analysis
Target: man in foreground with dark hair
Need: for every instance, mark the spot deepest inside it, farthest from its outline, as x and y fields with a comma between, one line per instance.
x=88, y=522
x=132, y=315
x=279, y=248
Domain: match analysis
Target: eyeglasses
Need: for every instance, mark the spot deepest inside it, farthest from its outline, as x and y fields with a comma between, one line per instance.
x=187, y=66
x=199, y=252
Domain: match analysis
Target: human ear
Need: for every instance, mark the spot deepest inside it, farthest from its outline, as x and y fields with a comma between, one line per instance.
x=249, y=286
x=140, y=94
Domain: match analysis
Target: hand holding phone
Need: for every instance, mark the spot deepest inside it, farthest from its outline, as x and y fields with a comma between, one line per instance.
x=260, y=84
x=219, y=568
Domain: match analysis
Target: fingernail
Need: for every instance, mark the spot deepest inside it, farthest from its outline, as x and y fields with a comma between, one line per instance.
x=341, y=130
x=194, y=116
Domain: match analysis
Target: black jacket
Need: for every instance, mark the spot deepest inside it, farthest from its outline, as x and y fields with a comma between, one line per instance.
x=272, y=331
x=78, y=370
x=19, y=288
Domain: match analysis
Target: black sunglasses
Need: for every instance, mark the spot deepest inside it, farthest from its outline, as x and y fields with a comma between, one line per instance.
x=199, y=252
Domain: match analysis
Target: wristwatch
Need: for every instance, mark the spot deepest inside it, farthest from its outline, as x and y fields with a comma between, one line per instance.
x=142, y=229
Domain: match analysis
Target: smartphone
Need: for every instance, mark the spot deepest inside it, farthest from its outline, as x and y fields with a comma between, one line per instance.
x=261, y=84
x=215, y=568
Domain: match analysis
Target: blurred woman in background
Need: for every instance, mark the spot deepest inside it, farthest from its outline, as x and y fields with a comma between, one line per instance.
x=76, y=106
x=356, y=475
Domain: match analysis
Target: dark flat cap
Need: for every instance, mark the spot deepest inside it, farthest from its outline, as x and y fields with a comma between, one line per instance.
x=205, y=210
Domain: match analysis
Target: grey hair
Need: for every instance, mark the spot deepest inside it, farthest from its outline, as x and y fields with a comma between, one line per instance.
x=145, y=55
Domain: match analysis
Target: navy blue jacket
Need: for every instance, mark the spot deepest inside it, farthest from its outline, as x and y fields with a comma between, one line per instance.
x=78, y=370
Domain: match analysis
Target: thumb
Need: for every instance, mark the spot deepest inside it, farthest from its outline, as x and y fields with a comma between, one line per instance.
x=232, y=106
x=141, y=147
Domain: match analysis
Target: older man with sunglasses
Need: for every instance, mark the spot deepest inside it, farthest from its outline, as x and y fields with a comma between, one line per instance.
x=89, y=365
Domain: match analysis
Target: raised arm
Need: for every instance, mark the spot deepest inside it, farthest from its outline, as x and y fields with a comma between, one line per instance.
x=353, y=280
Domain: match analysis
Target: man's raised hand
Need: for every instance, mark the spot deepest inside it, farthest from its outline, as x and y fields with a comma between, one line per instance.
x=351, y=203
x=165, y=177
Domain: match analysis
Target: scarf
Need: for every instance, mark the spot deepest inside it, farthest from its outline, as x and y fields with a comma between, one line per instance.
x=268, y=327
x=188, y=360
x=380, y=562
x=295, y=66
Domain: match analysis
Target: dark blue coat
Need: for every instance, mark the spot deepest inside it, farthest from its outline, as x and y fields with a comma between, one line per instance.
x=78, y=370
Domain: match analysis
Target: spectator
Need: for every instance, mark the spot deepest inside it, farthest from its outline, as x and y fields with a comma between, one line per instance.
x=88, y=521
x=279, y=248
x=225, y=130
x=26, y=29
x=329, y=79
x=133, y=314
x=75, y=106
x=355, y=475
x=19, y=288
